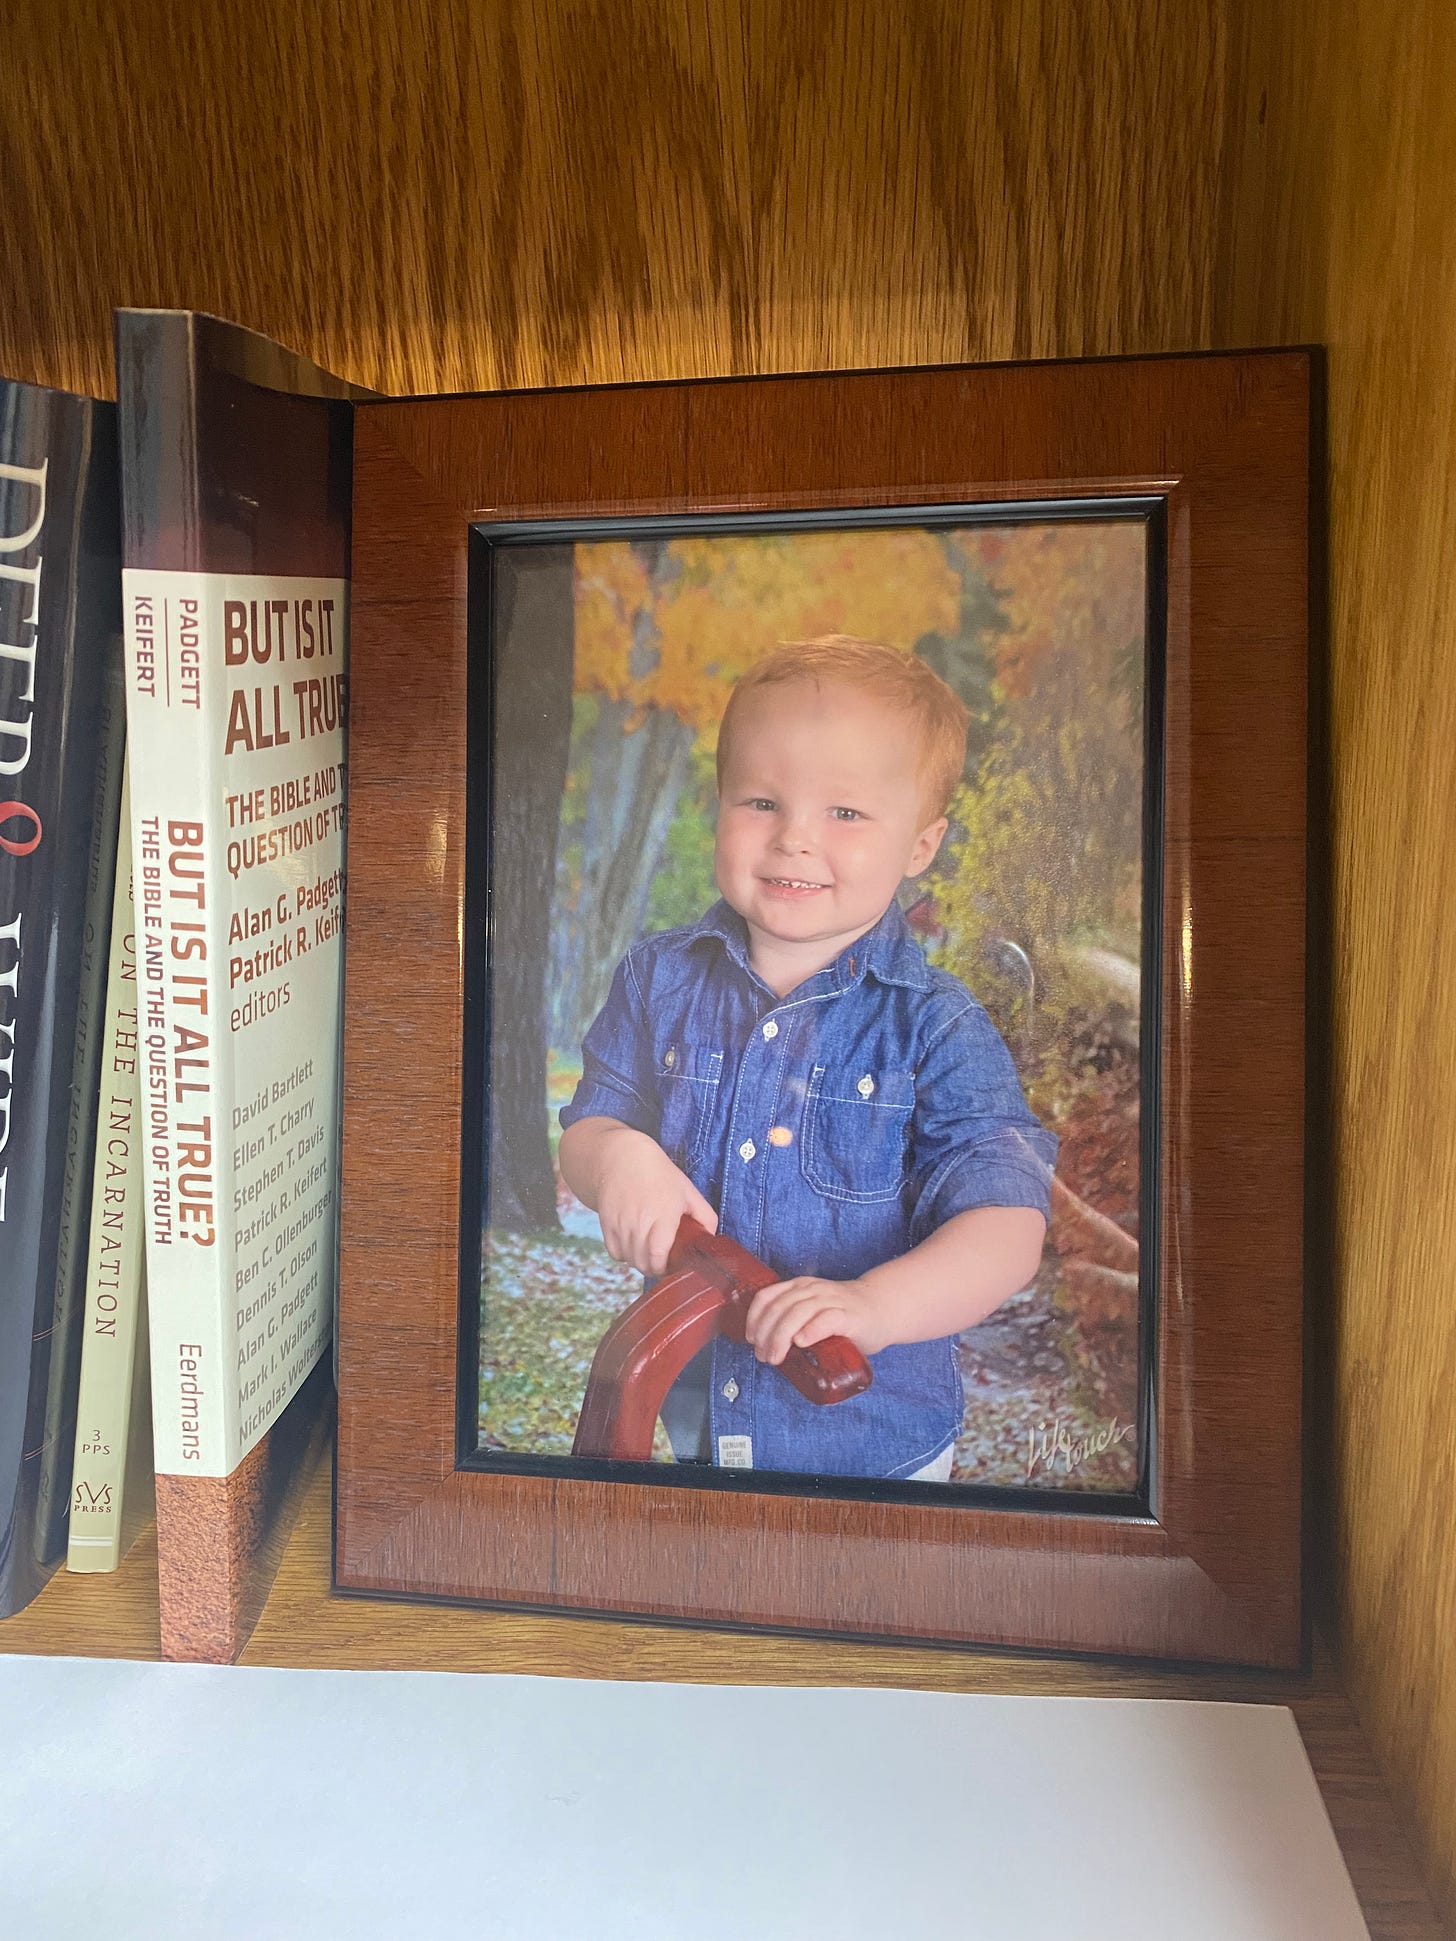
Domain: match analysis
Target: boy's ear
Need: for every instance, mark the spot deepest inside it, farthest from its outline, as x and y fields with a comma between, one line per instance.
x=926, y=844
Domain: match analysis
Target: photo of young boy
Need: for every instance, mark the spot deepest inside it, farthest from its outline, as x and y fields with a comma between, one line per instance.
x=791, y=1070
x=843, y=951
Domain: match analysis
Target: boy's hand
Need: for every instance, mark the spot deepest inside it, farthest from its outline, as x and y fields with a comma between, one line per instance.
x=640, y=1197
x=951, y=1281
x=799, y=1312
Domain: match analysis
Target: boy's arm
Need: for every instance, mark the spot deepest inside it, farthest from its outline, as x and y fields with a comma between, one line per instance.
x=952, y=1280
x=626, y=1177
x=607, y=1155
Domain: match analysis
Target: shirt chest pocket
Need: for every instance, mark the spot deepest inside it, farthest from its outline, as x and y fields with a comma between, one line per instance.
x=856, y=1130
x=687, y=1086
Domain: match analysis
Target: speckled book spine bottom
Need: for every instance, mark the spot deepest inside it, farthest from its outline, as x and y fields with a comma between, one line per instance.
x=220, y=1538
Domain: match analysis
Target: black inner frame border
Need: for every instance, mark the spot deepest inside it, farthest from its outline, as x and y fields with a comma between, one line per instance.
x=485, y=538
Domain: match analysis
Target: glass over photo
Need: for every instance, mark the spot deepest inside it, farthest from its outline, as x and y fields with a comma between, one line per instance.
x=813, y=941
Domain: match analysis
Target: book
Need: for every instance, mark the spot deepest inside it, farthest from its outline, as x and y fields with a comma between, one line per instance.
x=111, y=1478
x=236, y=482
x=72, y=1251
x=61, y=732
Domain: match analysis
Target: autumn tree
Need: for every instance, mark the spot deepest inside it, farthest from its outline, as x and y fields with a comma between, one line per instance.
x=632, y=749
x=965, y=658
x=1049, y=823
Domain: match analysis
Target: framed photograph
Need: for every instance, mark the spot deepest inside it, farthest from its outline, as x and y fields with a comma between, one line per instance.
x=823, y=1138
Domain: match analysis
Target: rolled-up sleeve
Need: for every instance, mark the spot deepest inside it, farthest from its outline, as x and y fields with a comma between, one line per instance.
x=617, y=1079
x=974, y=1141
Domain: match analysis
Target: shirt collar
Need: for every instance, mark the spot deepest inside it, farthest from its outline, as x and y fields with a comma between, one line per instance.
x=887, y=953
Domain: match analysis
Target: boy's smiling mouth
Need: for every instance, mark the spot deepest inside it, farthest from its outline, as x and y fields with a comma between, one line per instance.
x=790, y=885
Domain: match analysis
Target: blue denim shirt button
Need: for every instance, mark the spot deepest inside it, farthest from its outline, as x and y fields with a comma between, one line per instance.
x=770, y=1030
x=747, y=1150
x=730, y=1390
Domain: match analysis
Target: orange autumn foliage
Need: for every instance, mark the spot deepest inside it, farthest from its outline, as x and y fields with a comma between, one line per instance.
x=676, y=633
x=1071, y=589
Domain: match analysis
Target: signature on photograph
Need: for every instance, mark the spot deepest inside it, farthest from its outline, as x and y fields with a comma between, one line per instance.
x=1053, y=1445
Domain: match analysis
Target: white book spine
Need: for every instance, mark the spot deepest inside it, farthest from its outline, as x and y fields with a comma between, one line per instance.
x=112, y=1339
x=235, y=689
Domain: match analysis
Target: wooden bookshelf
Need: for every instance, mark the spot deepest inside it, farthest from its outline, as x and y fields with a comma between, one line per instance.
x=463, y=196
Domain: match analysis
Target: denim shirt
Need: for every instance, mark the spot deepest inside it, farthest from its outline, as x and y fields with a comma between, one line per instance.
x=833, y=1129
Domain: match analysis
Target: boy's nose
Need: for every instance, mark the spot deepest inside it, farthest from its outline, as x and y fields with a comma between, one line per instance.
x=792, y=837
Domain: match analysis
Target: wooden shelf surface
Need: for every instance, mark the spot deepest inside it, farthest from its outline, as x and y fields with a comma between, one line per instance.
x=305, y=1625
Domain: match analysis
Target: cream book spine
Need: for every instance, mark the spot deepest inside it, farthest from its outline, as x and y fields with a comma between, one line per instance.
x=111, y=1491
x=235, y=698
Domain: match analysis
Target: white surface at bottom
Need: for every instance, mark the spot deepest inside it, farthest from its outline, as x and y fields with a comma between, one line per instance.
x=164, y=1801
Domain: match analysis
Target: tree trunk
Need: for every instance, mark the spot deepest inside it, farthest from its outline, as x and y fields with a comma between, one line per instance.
x=637, y=773
x=638, y=764
x=531, y=739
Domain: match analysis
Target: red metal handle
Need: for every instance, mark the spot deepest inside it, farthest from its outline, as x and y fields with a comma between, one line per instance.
x=706, y=1291
x=831, y=1371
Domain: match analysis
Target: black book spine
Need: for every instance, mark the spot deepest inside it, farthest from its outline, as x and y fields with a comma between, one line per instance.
x=61, y=726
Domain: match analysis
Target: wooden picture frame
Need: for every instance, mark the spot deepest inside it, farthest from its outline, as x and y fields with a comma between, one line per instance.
x=1205, y=1563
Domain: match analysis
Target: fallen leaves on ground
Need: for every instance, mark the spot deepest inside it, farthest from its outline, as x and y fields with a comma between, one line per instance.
x=546, y=1301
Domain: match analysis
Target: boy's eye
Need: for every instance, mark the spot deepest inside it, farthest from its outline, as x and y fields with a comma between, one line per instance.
x=845, y=815
x=761, y=802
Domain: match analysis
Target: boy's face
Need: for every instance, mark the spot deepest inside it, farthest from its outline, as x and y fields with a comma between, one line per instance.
x=821, y=815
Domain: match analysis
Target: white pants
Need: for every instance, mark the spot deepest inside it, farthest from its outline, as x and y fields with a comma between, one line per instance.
x=937, y=1471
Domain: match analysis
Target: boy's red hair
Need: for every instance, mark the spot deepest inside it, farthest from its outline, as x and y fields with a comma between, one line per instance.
x=937, y=714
